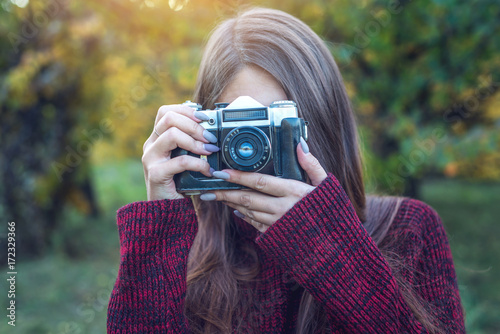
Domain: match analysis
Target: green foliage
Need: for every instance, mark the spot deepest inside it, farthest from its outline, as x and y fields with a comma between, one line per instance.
x=418, y=72
x=49, y=101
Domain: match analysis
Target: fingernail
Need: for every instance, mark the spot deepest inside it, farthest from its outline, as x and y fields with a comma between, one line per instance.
x=211, y=148
x=208, y=197
x=209, y=136
x=304, y=146
x=221, y=175
x=239, y=214
x=212, y=171
x=201, y=116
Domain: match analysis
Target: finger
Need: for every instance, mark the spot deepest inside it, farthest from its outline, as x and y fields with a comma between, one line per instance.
x=251, y=200
x=268, y=184
x=162, y=171
x=257, y=225
x=170, y=140
x=177, y=108
x=185, y=124
x=310, y=164
x=256, y=218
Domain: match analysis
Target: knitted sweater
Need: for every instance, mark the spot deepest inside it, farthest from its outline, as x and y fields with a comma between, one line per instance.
x=319, y=245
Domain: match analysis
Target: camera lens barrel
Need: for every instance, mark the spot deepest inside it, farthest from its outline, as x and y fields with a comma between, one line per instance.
x=246, y=148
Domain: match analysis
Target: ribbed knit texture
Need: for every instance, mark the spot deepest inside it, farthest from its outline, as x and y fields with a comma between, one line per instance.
x=319, y=245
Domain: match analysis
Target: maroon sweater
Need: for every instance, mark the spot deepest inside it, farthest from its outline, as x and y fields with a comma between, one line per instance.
x=319, y=243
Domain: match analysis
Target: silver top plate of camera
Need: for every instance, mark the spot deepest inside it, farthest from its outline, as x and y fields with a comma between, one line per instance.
x=237, y=114
x=277, y=111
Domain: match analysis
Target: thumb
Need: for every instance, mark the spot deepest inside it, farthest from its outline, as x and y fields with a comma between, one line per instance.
x=310, y=164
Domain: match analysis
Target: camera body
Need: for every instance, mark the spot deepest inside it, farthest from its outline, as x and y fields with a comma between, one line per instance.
x=252, y=138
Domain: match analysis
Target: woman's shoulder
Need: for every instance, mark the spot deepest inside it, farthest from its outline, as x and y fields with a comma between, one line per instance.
x=418, y=217
x=415, y=227
x=411, y=208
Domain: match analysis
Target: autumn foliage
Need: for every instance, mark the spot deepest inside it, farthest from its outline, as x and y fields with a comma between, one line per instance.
x=81, y=82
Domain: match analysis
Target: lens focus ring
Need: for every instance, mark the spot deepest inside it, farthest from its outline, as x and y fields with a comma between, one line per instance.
x=246, y=148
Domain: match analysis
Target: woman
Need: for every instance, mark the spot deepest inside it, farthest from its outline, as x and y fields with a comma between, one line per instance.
x=284, y=256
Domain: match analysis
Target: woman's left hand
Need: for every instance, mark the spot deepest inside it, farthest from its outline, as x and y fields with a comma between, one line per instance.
x=269, y=197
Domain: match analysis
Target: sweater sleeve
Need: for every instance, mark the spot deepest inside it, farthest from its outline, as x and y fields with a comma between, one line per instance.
x=149, y=292
x=322, y=244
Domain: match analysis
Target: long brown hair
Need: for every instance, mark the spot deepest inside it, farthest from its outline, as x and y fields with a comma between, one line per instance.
x=222, y=258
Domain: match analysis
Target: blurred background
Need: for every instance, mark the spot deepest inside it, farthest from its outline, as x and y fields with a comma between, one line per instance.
x=81, y=82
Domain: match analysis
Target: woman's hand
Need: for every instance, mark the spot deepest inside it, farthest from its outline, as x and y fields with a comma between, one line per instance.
x=270, y=197
x=175, y=126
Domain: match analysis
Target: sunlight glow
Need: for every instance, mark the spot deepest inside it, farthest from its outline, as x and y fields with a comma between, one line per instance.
x=177, y=5
x=20, y=3
x=149, y=3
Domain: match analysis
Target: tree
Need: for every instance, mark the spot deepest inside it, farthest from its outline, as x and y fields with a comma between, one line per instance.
x=424, y=76
x=50, y=64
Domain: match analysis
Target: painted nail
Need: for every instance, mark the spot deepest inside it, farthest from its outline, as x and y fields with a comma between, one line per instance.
x=208, y=197
x=221, y=175
x=304, y=146
x=201, y=116
x=239, y=214
x=212, y=171
x=211, y=148
x=209, y=136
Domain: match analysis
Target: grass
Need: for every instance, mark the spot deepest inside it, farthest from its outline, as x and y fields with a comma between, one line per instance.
x=63, y=295
x=470, y=214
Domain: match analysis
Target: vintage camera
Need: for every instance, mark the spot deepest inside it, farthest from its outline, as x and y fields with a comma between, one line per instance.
x=252, y=138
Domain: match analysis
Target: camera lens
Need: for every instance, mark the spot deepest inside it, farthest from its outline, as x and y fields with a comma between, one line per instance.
x=246, y=148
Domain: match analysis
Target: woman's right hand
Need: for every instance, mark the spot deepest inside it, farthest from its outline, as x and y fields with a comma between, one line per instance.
x=177, y=126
